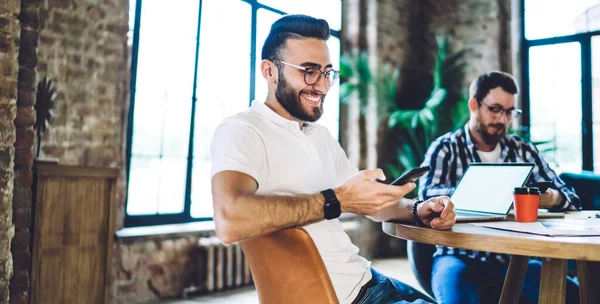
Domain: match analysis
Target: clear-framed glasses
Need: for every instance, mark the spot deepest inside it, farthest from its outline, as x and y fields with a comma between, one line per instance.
x=496, y=112
x=312, y=75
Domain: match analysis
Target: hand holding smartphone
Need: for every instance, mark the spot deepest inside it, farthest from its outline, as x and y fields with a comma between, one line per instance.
x=411, y=176
x=543, y=186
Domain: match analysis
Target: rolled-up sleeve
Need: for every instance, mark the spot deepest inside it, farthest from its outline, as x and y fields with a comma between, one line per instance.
x=238, y=147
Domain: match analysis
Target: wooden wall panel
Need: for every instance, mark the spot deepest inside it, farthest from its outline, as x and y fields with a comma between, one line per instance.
x=73, y=234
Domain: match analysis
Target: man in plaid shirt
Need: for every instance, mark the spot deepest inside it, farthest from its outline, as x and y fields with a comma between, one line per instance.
x=461, y=275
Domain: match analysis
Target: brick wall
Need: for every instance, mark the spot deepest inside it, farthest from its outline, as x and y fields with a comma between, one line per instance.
x=83, y=46
x=407, y=29
x=9, y=70
x=153, y=268
x=25, y=133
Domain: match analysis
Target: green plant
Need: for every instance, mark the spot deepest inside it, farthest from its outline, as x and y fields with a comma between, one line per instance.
x=405, y=134
x=45, y=103
x=361, y=83
x=444, y=111
x=359, y=80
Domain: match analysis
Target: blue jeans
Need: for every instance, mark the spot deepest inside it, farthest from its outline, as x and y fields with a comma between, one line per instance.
x=463, y=280
x=385, y=290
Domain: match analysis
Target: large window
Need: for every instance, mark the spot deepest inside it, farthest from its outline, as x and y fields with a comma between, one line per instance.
x=560, y=80
x=194, y=63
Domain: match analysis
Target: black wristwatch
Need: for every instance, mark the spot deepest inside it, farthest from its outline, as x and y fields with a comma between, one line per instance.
x=332, y=207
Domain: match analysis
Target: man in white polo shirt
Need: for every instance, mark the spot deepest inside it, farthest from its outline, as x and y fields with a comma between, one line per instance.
x=274, y=168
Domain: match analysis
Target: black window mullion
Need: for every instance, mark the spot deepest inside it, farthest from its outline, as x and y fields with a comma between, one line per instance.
x=587, y=130
x=525, y=95
x=587, y=124
x=185, y=216
x=253, y=20
x=189, y=176
x=132, y=86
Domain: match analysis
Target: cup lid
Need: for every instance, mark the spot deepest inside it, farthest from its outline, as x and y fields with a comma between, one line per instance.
x=527, y=190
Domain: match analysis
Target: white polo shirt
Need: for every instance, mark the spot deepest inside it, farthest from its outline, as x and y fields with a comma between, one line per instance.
x=285, y=160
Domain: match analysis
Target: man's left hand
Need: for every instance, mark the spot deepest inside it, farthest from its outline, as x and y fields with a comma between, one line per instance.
x=437, y=212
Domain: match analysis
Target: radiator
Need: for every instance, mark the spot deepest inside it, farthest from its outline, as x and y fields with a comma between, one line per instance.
x=220, y=266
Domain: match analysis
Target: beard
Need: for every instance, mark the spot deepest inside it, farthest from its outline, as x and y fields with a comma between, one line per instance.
x=291, y=102
x=489, y=139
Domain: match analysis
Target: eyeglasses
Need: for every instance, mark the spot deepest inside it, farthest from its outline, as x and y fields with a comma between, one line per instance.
x=313, y=75
x=496, y=112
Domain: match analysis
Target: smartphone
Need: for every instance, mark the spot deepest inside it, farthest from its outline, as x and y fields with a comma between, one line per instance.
x=542, y=185
x=411, y=176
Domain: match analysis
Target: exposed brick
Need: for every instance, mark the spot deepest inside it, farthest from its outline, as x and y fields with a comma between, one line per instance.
x=28, y=57
x=3, y=23
x=20, y=298
x=60, y=3
x=13, y=5
x=22, y=218
x=30, y=18
x=4, y=294
x=7, y=67
x=23, y=179
x=25, y=118
x=21, y=260
x=7, y=112
x=27, y=50
x=47, y=40
x=6, y=155
x=5, y=45
x=20, y=281
x=21, y=240
x=30, y=4
x=26, y=79
x=29, y=39
x=6, y=178
x=19, y=44
x=26, y=98
x=7, y=133
x=472, y=25
x=8, y=89
x=24, y=156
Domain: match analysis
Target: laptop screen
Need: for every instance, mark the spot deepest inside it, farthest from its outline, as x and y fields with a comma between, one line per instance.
x=486, y=187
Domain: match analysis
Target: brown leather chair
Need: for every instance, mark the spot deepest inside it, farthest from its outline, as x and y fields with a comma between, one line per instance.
x=287, y=268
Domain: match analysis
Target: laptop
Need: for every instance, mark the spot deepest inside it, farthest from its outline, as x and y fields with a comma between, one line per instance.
x=485, y=190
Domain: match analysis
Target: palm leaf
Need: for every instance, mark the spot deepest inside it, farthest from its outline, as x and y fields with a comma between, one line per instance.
x=45, y=103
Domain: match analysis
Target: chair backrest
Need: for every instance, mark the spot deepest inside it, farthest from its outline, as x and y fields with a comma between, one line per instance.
x=587, y=185
x=420, y=257
x=287, y=268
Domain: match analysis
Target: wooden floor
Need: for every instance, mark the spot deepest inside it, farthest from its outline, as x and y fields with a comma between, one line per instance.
x=396, y=268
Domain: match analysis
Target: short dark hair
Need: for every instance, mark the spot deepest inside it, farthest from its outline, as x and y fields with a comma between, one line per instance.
x=482, y=85
x=293, y=27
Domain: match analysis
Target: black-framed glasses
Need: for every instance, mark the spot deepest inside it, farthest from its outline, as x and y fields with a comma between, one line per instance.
x=312, y=75
x=496, y=112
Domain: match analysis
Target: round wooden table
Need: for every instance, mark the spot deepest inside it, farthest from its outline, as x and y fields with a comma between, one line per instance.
x=555, y=252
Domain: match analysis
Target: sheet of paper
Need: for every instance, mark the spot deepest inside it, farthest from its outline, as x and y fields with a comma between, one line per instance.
x=549, y=228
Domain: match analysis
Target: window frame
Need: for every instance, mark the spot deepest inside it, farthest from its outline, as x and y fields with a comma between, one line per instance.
x=585, y=41
x=185, y=216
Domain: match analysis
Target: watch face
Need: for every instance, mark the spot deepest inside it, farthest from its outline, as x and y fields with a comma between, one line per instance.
x=332, y=210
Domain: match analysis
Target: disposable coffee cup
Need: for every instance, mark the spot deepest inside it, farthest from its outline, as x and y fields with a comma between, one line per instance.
x=527, y=203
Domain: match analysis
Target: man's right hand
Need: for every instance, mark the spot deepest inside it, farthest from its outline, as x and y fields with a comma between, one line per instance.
x=362, y=194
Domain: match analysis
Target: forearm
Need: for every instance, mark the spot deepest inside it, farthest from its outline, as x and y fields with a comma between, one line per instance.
x=248, y=216
x=400, y=211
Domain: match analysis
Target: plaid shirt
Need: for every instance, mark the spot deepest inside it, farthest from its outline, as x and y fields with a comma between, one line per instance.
x=449, y=156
